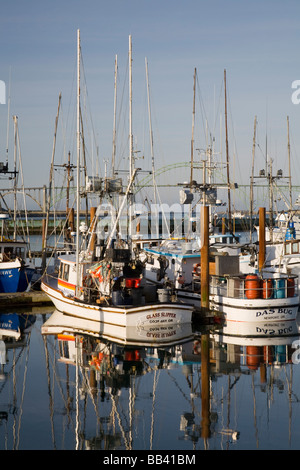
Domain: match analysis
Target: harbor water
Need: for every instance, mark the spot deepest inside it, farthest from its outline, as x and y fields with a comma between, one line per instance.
x=214, y=388
x=199, y=387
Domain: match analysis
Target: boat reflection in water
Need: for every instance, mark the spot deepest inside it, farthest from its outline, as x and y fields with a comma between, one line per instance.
x=109, y=364
x=259, y=344
x=15, y=333
x=130, y=374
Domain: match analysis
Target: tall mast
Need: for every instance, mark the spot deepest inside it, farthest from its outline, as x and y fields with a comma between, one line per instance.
x=227, y=157
x=78, y=158
x=289, y=157
x=150, y=131
x=15, y=119
x=115, y=108
x=44, y=246
x=193, y=126
x=251, y=185
x=131, y=166
x=131, y=162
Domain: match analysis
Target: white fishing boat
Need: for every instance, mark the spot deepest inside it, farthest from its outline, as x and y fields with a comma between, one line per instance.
x=164, y=335
x=107, y=295
x=257, y=334
x=105, y=283
x=233, y=293
x=254, y=298
x=15, y=270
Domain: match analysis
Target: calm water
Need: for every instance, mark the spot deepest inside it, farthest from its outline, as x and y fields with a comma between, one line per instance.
x=215, y=390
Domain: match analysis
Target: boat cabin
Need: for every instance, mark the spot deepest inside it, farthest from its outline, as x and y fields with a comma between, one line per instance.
x=10, y=250
x=67, y=274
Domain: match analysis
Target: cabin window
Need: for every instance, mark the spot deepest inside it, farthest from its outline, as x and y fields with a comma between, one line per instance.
x=295, y=247
x=63, y=272
x=288, y=249
x=66, y=272
x=64, y=349
x=8, y=254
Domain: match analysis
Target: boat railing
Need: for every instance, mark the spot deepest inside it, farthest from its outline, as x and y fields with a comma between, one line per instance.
x=254, y=286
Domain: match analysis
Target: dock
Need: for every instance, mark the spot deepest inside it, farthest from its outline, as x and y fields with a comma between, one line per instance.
x=24, y=299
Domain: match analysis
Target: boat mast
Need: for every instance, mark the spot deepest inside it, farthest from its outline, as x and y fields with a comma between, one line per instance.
x=289, y=157
x=131, y=160
x=115, y=108
x=251, y=185
x=150, y=131
x=193, y=127
x=78, y=159
x=227, y=157
x=15, y=118
x=131, y=166
x=44, y=248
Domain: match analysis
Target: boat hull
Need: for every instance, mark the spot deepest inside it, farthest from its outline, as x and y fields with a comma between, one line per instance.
x=156, y=314
x=14, y=278
x=255, y=310
x=62, y=324
x=245, y=310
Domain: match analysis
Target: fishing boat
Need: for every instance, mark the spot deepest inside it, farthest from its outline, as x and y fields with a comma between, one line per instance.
x=14, y=325
x=258, y=298
x=112, y=291
x=164, y=335
x=102, y=281
x=15, y=270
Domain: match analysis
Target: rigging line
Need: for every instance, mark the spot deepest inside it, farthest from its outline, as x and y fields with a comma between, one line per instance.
x=179, y=388
x=120, y=111
x=218, y=108
x=87, y=98
x=56, y=377
x=119, y=421
x=89, y=390
x=202, y=107
x=155, y=382
x=23, y=391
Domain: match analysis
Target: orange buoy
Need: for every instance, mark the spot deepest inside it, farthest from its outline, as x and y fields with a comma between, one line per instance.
x=252, y=286
x=267, y=289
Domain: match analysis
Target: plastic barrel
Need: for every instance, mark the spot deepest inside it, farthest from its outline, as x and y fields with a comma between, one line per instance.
x=279, y=288
x=252, y=286
x=290, y=287
x=254, y=357
x=267, y=289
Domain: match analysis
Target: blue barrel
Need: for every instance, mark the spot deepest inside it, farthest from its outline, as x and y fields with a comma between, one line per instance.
x=279, y=288
x=280, y=353
x=291, y=231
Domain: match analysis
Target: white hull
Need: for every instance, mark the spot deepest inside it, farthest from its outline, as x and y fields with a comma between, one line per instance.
x=164, y=335
x=258, y=334
x=246, y=310
x=156, y=314
x=255, y=310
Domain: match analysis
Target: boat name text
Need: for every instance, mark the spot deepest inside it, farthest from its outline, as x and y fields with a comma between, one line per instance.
x=271, y=311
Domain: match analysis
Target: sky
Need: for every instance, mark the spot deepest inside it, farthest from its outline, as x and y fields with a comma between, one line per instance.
x=257, y=42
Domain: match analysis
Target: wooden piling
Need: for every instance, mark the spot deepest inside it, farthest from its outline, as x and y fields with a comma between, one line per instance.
x=204, y=257
x=205, y=387
x=262, y=238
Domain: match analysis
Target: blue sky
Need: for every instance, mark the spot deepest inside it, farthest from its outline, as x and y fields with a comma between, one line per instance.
x=256, y=42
